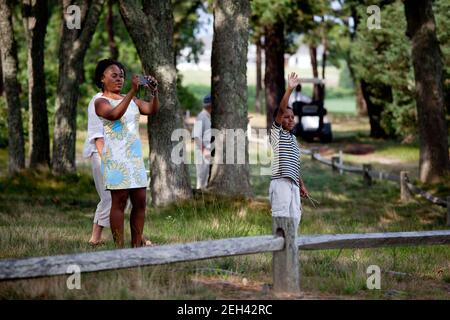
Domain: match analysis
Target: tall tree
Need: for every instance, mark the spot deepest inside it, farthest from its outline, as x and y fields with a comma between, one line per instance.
x=274, y=68
x=185, y=23
x=1, y=78
x=325, y=46
x=375, y=96
x=35, y=18
x=312, y=38
x=278, y=19
x=380, y=60
x=441, y=8
x=110, y=27
x=361, y=103
x=151, y=27
x=340, y=38
x=315, y=69
x=427, y=62
x=258, y=43
x=73, y=46
x=16, y=149
x=256, y=36
x=268, y=18
x=229, y=90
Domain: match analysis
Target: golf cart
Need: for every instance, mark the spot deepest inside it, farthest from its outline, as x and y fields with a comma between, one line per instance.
x=311, y=120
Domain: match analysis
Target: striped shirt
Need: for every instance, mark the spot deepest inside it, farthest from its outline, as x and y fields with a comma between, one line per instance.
x=286, y=154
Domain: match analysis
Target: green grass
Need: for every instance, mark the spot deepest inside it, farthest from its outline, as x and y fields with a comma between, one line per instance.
x=199, y=91
x=403, y=152
x=344, y=104
x=203, y=77
x=46, y=215
x=341, y=105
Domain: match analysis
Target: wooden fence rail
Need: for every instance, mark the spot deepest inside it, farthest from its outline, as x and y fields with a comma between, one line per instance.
x=428, y=196
x=372, y=240
x=336, y=163
x=145, y=256
x=285, y=245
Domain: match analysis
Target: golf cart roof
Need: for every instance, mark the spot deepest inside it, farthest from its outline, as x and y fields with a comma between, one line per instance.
x=311, y=80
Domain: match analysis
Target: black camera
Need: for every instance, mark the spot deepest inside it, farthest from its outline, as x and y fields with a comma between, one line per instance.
x=143, y=80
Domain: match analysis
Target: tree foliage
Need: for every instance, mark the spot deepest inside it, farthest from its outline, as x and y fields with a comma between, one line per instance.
x=382, y=56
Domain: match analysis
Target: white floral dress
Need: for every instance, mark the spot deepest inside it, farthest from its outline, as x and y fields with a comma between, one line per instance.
x=122, y=162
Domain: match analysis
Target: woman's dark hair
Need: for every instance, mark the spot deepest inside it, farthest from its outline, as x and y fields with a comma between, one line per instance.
x=101, y=67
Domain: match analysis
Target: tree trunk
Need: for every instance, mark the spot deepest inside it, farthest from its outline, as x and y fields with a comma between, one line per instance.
x=315, y=70
x=1, y=78
x=151, y=29
x=110, y=27
x=324, y=57
x=324, y=65
x=72, y=49
x=375, y=96
x=258, y=75
x=427, y=61
x=229, y=91
x=16, y=149
x=274, y=69
x=35, y=18
x=361, y=104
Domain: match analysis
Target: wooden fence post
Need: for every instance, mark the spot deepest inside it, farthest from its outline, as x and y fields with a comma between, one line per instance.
x=366, y=174
x=334, y=161
x=286, y=276
x=448, y=211
x=405, y=194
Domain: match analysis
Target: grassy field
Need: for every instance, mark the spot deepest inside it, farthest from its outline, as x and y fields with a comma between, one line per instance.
x=199, y=83
x=341, y=105
x=203, y=76
x=345, y=105
x=46, y=215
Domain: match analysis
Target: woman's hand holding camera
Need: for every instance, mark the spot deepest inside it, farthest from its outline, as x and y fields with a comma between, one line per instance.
x=135, y=83
x=150, y=83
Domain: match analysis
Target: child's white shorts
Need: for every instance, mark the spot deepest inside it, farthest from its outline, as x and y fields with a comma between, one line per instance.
x=284, y=196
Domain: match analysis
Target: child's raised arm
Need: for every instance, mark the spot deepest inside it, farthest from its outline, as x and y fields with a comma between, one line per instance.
x=293, y=81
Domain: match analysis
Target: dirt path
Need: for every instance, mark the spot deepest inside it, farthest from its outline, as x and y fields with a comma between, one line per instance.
x=235, y=288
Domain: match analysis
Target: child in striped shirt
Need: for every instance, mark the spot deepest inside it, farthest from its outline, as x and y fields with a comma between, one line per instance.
x=286, y=185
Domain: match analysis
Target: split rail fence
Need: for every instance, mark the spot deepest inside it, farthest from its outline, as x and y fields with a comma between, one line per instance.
x=407, y=189
x=284, y=243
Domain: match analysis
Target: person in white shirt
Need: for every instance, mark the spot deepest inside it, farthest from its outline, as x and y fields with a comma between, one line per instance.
x=297, y=96
x=202, y=140
x=93, y=150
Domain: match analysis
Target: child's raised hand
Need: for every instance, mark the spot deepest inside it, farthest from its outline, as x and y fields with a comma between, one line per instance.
x=293, y=80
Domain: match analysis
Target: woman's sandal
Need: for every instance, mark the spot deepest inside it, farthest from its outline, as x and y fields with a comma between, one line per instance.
x=147, y=243
x=96, y=244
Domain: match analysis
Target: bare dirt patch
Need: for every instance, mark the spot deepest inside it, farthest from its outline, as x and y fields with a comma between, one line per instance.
x=236, y=288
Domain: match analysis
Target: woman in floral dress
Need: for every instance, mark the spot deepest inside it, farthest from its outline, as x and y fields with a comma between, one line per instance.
x=122, y=162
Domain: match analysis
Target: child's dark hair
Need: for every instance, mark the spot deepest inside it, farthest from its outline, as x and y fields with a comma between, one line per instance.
x=276, y=112
x=101, y=67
